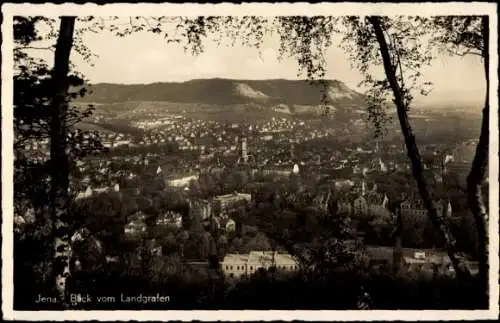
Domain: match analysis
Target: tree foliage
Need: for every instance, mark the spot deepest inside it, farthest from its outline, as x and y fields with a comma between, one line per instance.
x=457, y=35
x=37, y=96
x=408, y=56
x=462, y=36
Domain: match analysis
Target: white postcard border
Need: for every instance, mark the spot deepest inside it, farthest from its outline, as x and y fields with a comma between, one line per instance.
x=264, y=9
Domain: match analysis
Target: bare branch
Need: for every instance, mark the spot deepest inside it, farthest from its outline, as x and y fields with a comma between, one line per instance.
x=51, y=48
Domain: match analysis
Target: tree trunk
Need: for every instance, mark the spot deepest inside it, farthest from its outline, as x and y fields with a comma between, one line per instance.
x=478, y=170
x=398, y=248
x=59, y=158
x=414, y=154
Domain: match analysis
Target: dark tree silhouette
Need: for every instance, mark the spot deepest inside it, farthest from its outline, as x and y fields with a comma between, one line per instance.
x=391, y=64
x=58, y=156
x=463, y=36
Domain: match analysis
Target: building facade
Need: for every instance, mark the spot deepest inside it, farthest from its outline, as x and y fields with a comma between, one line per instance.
x=225, y=203
x=238, y=265
x=414, y=208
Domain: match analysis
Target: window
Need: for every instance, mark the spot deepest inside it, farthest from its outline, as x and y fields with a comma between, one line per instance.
x=227, y=267
x=251, y=267
x=231, y=267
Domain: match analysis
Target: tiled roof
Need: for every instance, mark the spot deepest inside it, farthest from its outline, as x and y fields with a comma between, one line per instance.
x=260, y=257
x=235, y=258
x=267, y=256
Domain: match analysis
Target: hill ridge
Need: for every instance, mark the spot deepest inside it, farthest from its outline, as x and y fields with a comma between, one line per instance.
x=225, y=91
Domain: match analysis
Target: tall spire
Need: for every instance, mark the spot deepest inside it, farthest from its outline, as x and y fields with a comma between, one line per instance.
x=385, y=202
x=244, y=150
x=383, y=168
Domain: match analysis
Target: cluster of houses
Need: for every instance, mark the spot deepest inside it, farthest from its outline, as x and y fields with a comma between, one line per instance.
x=157, y=122
x=216, y=212
x=113, y=139
x=137, y=222
x=373, y=203
x=419, y=260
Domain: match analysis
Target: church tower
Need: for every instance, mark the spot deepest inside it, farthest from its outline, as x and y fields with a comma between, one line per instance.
x=244, y=150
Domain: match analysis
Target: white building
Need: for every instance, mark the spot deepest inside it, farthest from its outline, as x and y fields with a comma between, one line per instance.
x=170, y=219
x=85, y=194
x=226, y=202
x=237, y=265
x=121, y=143
x=183, y=182
x=230, y=225
x=135, y=227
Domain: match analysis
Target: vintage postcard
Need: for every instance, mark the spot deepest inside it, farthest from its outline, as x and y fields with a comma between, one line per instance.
x=256, y=161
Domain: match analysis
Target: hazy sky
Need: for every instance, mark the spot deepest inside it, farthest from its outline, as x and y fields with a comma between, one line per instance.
x=146, y=58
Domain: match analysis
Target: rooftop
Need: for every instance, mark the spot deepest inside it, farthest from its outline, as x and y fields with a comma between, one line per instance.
x=235, y=258
x=267, y=256
x=260, y=257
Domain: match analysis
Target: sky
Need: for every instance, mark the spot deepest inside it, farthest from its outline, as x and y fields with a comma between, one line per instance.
x=147, y=58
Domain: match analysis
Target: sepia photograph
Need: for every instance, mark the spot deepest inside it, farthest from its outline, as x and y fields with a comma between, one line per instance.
x=251, y=157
